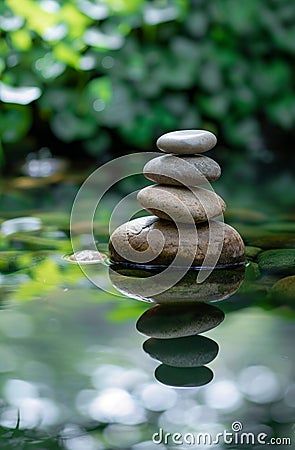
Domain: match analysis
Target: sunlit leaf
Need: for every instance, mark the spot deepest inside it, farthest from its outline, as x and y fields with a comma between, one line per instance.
x=10, y=23
x=124, y=6
x=96, y=38
x=97, y=11
x=66, y=54
x=19, y=95
x=21, y=39
x=76, y=21
x=100, y=88
x=37, y=18
x=154, y=15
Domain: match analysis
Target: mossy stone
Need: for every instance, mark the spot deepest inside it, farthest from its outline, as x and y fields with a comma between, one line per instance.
x=272, y=241
x=280, y=227
x=277, y=261
x=252, y=272
x=252, y=252
x=245, y=216
x=284, y=289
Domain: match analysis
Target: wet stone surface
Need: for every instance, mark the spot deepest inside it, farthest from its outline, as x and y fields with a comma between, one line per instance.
x=130, y=242
x=278, y=261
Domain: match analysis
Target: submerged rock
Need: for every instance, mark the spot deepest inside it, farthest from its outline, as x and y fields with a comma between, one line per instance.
x=183, y=377
x=284, y=289
x=133, y=242
x=174, y=321
x=191, y=351
x=252, y=252
x=278, y=261
x=268, y=240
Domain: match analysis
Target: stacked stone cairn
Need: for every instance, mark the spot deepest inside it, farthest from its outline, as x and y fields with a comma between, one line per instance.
x=183, y=211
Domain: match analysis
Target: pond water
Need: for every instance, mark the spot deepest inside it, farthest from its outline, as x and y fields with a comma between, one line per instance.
x=84, y=367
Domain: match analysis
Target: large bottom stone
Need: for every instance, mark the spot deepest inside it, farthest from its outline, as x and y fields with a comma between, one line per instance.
x=150, y=240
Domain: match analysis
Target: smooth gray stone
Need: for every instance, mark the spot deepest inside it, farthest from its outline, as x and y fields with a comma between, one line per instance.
x=182, y=170
x=183, y=377
x=191, y=351
x=187, y=142
x=180, y=204
x=173, y=321
x=129, y=243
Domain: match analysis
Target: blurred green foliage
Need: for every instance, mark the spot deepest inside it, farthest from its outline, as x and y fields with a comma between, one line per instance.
x=124, y=71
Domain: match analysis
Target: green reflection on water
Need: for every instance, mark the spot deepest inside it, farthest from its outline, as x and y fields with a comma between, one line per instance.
x=70, y=355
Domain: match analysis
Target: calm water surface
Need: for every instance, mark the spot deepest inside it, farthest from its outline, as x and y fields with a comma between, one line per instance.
x=75, y=373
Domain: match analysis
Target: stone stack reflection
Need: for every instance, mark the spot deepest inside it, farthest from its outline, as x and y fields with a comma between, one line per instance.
x=176, y=343
x=178, y=318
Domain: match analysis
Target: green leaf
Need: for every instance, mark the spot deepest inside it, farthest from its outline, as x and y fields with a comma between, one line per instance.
x=100, y=88
x=21, y=39
x=65, y=53
x=15, y=122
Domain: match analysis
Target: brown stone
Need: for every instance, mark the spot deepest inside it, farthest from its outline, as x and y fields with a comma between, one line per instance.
x=149, y=240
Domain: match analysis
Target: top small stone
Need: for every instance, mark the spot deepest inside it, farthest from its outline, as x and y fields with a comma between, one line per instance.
x=187, y=142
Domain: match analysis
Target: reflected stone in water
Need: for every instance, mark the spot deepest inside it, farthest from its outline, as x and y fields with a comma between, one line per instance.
x=218, y=286
x=183, y=377
x=191, y=351
x=173, y=321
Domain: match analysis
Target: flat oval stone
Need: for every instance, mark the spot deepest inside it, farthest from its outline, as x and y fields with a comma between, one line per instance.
x=284, y=290
x=182, y=170
x=181, y=204
x=130, y=240
x=187, y=142
x=281, y=261
x=191, y=351
x=183, y=377
x=165, y=322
